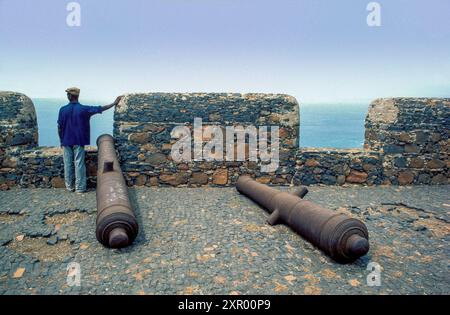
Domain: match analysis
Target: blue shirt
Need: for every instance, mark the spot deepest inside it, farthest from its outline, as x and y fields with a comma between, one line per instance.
x=73, y=121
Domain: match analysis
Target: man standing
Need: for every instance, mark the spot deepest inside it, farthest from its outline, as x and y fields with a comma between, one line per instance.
x=74, y=134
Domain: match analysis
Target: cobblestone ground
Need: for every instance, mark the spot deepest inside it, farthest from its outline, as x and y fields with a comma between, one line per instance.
x=216, y=241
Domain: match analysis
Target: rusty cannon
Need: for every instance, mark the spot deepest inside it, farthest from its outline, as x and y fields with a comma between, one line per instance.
x=341, y=237
x=116, y=224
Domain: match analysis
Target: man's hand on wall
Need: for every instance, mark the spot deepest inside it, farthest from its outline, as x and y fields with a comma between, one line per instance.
x=118, y=99
x=116, y=102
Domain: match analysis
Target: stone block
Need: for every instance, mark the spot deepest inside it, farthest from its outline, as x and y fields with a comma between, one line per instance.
x=356, y=177
x=220, y=177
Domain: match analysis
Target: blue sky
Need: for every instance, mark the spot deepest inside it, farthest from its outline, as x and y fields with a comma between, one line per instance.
x=316, y=50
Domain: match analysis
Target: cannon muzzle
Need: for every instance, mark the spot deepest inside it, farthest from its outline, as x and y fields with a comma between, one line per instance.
x=116, y=224
x=343, y=238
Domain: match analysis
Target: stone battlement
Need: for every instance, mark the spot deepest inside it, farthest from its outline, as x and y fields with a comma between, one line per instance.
x=406, y=142
x=143, y=125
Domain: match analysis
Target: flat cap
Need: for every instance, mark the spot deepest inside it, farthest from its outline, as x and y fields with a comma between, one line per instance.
x=73, y=91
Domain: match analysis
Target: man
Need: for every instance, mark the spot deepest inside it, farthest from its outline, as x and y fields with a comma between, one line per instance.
x=74, y=134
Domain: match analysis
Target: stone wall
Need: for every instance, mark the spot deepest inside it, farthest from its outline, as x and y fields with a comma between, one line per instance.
x=43, y=167
x=412, y=134
x=406, y=142
x=144, y=122
x=18, y=131
x=18, y=124
x=337, y=167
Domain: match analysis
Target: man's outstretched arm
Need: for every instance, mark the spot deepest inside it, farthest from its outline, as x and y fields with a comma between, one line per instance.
x=106, y=107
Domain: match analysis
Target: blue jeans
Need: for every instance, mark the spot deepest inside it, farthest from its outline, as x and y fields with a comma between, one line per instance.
x=75, y=154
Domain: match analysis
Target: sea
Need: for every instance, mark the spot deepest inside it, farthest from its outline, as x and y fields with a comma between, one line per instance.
x=322, y=125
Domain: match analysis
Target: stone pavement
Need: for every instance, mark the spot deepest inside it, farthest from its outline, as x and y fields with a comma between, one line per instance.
x=216, y=241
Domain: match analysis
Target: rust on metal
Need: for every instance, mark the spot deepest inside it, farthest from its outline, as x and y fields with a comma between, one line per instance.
x=116, y=224
x=341, y=237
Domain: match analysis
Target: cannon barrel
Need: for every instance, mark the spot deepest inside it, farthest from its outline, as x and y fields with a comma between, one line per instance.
x=116, y=224
x=343, y=238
